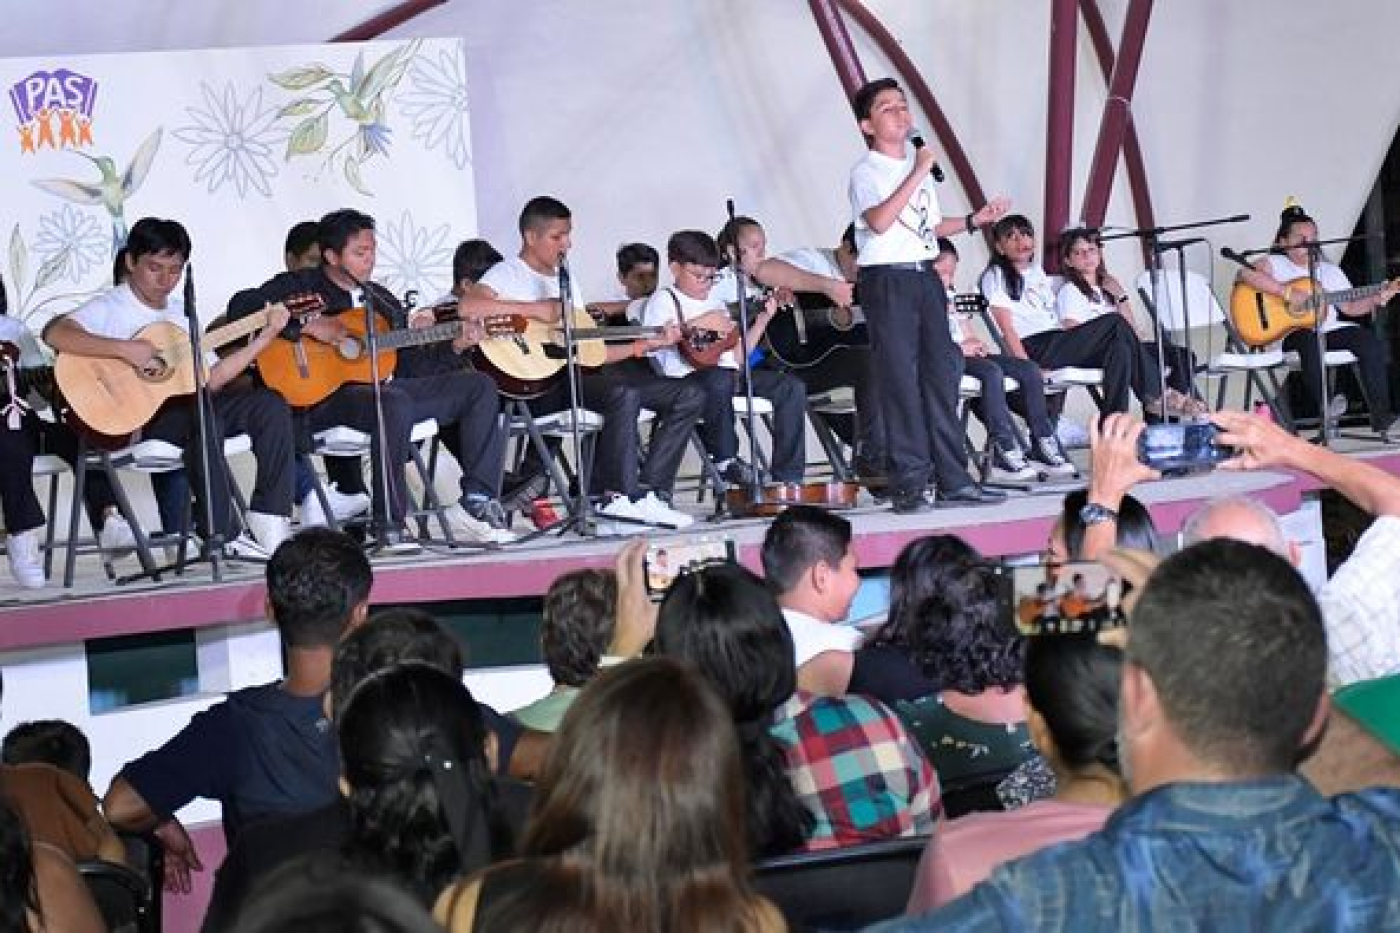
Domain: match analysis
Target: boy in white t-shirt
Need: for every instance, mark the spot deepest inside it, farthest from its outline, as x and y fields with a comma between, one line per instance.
x=897, y=220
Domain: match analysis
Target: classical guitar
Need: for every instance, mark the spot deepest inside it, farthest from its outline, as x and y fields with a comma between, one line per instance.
x=307, y=371
x=111, y=397
x=702, y=347
x=806, y=332
x=1261, y=318
x=525, y=358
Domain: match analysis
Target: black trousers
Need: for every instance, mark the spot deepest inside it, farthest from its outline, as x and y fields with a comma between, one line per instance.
x=265, y=418
x=995, y=404
x=18, y=501
x=848, y=366
x=1107, y=343
x=719, y=386
x=1370, y=357
x=918, y=368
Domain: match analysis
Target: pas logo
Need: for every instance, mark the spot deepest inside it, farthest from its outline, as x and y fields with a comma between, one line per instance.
x=54, y=109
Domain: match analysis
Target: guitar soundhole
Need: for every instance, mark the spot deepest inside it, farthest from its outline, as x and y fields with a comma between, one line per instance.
x=843, y=318
x=349, y=348
x=157, y=370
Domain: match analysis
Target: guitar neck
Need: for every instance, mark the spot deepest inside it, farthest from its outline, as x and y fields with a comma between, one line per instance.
x=1347, y=295
x=236, y=330
x=416, y=337
x=615, y=333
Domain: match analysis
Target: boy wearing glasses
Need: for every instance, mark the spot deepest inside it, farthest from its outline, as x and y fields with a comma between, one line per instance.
x=694, y=259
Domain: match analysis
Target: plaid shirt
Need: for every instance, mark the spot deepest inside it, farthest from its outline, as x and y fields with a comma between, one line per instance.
x=1262, y=855
x=1361, y=607
x=853, y=765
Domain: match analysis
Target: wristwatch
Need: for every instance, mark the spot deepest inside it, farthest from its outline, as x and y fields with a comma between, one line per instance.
x=1091, y=513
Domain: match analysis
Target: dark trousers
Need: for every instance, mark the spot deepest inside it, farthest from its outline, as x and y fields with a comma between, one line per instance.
x=1107, y=343
x=266, y=419
x=18, y=501
x=848, y=366
x=995, y=404
x=1370, y=357
x=918, y=367
x=719, y=386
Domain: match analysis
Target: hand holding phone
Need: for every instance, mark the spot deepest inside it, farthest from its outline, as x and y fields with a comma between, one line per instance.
x=1182, y=446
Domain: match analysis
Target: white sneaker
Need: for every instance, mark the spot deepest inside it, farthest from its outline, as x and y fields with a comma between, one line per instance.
x=632, y=519
x=116, y=537
x=1071, y=433
x=269, y=530
x=471, y=530
x=26, y=563
x=655, y=509
x=1009, y=465
x=343, y=507
x=246, y=547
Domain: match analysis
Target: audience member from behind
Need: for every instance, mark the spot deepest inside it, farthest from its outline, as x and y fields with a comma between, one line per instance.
x=40, y=889
x=845, y=762
x=1072, y=694
x=945, y=618
x=53, y=742
x=1223, y=689
x=809, y=563
x=579, y=611
x=638, y=820
x=267, y=750
x=317, y=899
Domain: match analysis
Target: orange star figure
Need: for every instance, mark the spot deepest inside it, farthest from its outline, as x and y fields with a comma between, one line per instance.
x=67, y=137
x=46, y=129
x=26, y=138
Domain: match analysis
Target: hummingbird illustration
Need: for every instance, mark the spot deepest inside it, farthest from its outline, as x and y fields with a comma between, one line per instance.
x=113, y=189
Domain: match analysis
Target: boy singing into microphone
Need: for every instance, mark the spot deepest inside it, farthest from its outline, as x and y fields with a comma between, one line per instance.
x=897, y=223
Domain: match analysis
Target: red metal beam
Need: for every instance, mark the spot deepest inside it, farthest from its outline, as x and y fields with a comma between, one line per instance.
x=838, y=45
x=914, y=82
x=376, y=26
x=1132, y=147
x=1116, y=112
x=1059, y=130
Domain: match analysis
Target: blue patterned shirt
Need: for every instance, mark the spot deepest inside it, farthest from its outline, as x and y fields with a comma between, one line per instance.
x=1263, y=855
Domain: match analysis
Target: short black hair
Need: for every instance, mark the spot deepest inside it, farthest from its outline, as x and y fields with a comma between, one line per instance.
x=1073, y=682
x=389, y=637
x=119, y=269
x=864, y=97
x=472, y=259
x=155, y=236
x=631, y=255
x=50, y=742
x=1234, y=642
x=336, y=228
x=542, y=210
x=315, y=580
x=1288, y=217
x=302, y=237
x=580, y=611
x=799, y=538
x=693, y=246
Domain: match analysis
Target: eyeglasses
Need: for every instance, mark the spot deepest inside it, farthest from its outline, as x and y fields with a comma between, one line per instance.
x=706, y=275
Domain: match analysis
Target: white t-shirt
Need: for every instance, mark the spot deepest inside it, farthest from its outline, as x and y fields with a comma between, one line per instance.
x=913, y=236
x=660, y=310
x=1071, y=304
x=1329, y=276
x=1034, y=312
x=514, y=280
x=811, y=636
x=119, y=314
x=816, y=261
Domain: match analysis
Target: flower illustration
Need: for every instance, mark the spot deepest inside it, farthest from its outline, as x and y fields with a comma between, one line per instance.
x=232, y=139
x=71, y=243
x=436, y=103
x=413, y=257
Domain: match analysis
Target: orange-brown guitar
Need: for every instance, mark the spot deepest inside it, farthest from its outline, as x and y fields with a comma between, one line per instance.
x=111, y=397
x=307, y=371
x=1260, y=318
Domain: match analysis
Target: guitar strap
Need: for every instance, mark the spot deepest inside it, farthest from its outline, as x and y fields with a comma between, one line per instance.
x=16, y=408
x=676, y=303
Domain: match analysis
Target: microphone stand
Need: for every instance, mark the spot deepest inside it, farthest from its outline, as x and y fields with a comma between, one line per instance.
x=1153, y=248
x=386, y=530
x=753, y=491
x=581, y=518
x=1325, y=431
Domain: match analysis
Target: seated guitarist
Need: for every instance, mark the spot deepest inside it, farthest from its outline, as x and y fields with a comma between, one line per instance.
x=463, y=403
x=528, y=284
x=1289, y=261
x=831, y=273
x=108, y=327
x=694, y=263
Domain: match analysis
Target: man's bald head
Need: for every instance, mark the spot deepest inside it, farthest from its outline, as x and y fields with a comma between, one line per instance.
x=1239, y=518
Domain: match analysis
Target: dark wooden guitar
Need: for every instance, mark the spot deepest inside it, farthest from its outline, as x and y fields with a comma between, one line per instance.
x=807, y=331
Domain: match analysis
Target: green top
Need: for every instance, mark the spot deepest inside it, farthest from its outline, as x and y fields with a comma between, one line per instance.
x=1375, y=705
x=546, y=713
x=960, y=748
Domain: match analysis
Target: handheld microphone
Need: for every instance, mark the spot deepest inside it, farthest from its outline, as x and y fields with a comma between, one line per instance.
x=916, y=139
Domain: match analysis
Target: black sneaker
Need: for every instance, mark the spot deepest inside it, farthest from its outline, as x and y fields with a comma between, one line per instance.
x=971, y=494
x=909, y=503
x=519, y=496
x=1009, y=465
x=738, y=473
x=486, y=510
x=1046, y=452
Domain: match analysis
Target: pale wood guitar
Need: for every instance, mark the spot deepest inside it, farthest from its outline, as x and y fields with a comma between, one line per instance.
x=525, y=363
x=1261, y=318
x=111, y=397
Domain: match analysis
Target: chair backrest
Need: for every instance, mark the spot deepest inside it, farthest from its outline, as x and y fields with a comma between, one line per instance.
x=123, y=897
x=842, y=889
x=1201, y=308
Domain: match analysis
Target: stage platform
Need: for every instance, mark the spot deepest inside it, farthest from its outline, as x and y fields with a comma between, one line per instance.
x=97, y=608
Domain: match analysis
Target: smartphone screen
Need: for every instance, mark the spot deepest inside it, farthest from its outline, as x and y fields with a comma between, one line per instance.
x=1068, y=597
x=666, y=560
x=1182, y=446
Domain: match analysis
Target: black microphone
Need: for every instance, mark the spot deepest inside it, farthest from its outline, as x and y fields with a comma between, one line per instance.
x=1227, y=253
x=918, y=142
x=563, y=273
x=1178, y=244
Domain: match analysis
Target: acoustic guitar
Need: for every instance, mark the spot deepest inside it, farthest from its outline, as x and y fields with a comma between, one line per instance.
x=112, y=398
x=526, y=357
x=805, y=333
x=307, y=371
x=1260, y=318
